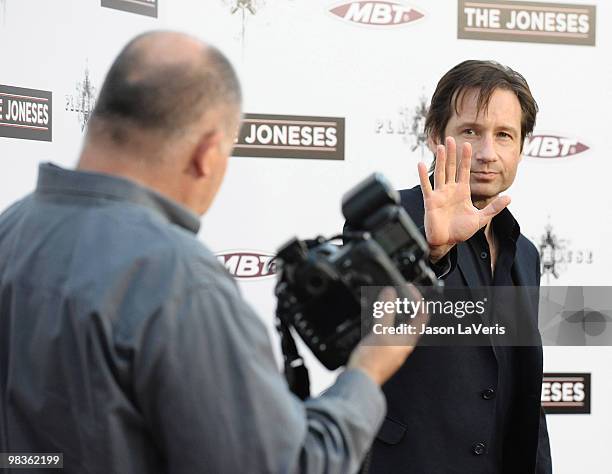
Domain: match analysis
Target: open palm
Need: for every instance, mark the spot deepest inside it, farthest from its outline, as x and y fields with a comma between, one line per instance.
x=450, y=216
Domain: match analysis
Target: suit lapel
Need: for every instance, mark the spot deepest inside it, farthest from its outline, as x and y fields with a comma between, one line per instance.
x=519, y=277
x=466, y=266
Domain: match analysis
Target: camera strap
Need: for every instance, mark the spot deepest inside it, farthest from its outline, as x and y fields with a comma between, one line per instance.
x=296, y=372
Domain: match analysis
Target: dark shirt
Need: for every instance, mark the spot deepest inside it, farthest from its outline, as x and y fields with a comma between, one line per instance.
x=506, y=231
x=126, y=346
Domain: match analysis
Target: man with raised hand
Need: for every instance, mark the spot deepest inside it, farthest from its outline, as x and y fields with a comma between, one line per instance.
x=124, y=343
x=477, y=409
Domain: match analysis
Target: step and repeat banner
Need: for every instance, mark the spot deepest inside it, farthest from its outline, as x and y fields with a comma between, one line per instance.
x=337, y=89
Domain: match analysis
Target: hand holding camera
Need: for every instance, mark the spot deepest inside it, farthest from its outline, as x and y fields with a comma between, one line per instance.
x=320, y=288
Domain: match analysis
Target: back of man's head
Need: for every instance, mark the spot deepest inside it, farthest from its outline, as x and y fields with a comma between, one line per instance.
x=160, y=86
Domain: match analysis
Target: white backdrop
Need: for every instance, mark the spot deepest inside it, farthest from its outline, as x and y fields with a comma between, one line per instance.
x=297, y=58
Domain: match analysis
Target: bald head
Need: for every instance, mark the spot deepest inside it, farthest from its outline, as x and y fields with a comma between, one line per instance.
x=162, y=84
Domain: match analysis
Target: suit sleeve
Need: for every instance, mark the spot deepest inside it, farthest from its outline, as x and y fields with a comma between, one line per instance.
x=209, y=387
x=446, y=264
x=543, y=460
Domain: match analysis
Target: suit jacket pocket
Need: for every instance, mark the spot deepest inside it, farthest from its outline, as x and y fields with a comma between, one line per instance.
x=391, y=431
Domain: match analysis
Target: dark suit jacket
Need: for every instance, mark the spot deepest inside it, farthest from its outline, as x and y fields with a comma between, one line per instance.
x=439, y=409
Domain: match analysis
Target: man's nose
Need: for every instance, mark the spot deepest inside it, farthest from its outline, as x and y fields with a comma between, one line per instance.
x=485, y=151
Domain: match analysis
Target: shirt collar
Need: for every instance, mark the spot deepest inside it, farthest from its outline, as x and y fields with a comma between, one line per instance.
x=506, y=226
x=53, y=179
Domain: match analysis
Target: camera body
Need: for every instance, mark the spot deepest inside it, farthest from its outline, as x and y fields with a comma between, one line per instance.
x=319, y=287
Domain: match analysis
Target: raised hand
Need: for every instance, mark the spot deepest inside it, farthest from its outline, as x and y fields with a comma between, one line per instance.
x=450, y=215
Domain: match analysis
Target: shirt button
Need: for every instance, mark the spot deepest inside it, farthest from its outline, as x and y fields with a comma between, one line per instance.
x=484, y=255
x=479, y=449
x=488, y=394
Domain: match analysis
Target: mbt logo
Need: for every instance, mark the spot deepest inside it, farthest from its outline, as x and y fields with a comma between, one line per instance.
x=566, y=393
x=25, y=113
x=284, y=136
x=83, y=101
x=552, y=146
x=535, y=22
x=376, y=13
x=141, y=7
x=248, y=264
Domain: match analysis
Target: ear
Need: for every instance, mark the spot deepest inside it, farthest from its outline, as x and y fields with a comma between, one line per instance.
x=206, y=153
x=432, y=144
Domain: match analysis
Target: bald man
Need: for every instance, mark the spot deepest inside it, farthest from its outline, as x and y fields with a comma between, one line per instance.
x=124, y=344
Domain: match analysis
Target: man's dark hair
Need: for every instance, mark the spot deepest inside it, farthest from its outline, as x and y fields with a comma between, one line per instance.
x=486, y=77
x=163, y=97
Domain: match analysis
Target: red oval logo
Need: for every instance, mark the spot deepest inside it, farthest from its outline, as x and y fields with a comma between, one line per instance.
x=376, y=13
x=248, y=264
x=551, y=146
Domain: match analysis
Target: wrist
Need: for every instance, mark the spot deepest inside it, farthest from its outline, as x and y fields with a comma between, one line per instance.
x=373, y=375
x=359, y=363
x=438, y=252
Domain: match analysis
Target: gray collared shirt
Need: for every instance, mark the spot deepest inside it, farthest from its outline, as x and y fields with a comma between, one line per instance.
x=126, y=346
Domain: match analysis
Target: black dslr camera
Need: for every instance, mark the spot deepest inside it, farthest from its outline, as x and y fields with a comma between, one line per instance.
x=319, y=286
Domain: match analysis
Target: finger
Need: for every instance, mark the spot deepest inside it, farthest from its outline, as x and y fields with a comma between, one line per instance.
x=405, y=339
x=439, y=170
x=417, y=320
x=492, y=209
x=386, y=295
x=421, y=317
x=425, y=184
x=463, y=175
x=451, y=160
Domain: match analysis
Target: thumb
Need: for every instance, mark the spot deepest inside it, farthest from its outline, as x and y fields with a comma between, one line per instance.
x=492, y=209
x=388, y=294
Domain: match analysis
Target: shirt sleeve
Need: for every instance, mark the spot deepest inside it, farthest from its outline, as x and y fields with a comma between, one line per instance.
x=208, y=386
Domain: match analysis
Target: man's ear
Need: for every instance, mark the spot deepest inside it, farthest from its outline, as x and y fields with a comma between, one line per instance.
x=432, y=144
x=205, y=154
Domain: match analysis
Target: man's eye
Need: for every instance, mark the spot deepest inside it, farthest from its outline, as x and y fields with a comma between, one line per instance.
x=469, y=132
x=504, y=135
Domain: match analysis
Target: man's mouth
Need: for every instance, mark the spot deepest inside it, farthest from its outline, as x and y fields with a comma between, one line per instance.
x=484, y=175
